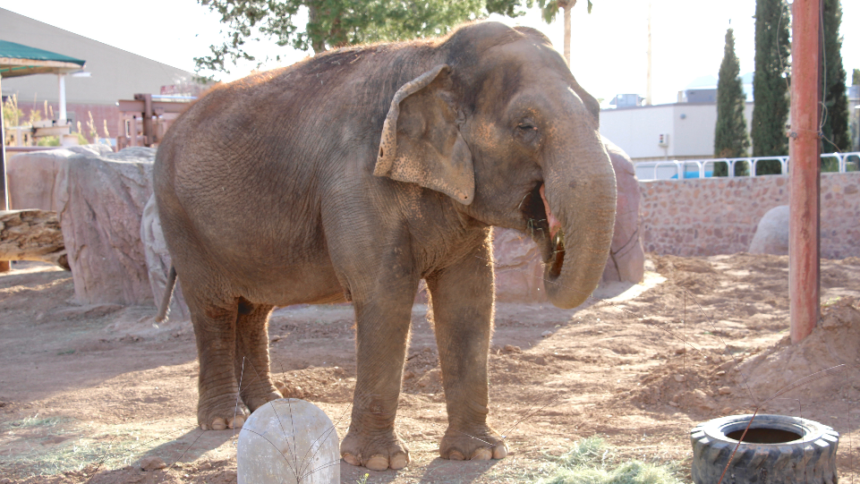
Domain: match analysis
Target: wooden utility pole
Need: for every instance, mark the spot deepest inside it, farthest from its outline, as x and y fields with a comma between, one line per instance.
x=804, y=169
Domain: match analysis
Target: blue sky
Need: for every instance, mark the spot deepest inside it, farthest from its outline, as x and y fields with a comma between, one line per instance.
x=608, y=54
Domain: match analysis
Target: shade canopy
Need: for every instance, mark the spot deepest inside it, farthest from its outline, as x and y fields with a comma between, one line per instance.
x=21, y=60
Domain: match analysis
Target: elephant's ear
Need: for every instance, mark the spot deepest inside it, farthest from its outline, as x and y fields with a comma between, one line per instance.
x=421, y=142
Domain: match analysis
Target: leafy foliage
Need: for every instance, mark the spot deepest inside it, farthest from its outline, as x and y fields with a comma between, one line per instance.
x=730, y=137
x=338, y=23
x=549, y=8
x=835, y=115
x=770, y=85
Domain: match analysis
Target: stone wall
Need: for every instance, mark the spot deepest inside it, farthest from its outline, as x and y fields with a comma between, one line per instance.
x=719, y=215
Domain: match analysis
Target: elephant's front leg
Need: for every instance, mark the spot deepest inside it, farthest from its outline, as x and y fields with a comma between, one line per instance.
x=462, y=299
x=383, y=320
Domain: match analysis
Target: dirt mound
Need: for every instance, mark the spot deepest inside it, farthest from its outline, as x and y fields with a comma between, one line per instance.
x=785, y=371
x=697, y=381
x=322, y=384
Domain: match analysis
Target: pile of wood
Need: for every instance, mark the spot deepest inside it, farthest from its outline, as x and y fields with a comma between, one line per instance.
x=32, y=235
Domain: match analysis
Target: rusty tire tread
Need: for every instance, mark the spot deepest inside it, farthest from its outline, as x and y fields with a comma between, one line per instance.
x=808, y=460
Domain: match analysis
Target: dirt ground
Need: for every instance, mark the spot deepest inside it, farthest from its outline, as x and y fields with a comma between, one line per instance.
x=87, y=391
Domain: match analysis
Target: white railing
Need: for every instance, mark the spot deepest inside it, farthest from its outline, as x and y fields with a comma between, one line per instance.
x=674, y=169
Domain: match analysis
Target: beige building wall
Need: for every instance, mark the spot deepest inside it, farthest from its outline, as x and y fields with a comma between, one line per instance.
x=115, y=74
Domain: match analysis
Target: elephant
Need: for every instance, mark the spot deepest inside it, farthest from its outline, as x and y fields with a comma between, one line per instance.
x=353, y=175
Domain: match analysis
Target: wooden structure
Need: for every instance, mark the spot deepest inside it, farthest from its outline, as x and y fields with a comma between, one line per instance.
x=144, y=121
x=804, y=168
x=32, y=235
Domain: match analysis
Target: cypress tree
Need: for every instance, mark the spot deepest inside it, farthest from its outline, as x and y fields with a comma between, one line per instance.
x=835, y=117
x=730, y=136
x=770, y=84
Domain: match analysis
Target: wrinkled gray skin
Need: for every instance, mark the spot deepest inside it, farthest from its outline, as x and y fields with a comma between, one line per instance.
x=355, y=174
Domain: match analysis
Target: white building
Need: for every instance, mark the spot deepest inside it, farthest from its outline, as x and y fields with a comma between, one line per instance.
x=679, y=131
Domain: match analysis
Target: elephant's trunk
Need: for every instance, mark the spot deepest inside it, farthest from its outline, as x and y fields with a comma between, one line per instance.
x=580, y=198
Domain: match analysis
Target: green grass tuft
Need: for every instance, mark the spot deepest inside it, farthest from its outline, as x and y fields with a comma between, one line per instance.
x=591, y=461
x=36, y=421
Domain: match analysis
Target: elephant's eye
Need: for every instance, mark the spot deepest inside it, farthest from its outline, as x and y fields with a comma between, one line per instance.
x=526, y=132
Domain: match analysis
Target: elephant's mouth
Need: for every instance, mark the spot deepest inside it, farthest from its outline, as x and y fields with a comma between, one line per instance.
x=544, y=229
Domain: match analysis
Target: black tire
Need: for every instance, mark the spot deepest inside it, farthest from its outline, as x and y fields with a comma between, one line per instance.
x=809, y=459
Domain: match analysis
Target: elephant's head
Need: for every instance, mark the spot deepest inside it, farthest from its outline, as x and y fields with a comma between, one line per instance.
x=500, y=125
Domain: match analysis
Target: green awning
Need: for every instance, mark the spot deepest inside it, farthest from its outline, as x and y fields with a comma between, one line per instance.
x=21, y=60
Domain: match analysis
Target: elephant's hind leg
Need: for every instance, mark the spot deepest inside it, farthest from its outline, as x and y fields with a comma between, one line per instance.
x=215, y=329
x=252, y=355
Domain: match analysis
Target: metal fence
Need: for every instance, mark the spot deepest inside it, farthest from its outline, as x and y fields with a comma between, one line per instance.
x=674, y=169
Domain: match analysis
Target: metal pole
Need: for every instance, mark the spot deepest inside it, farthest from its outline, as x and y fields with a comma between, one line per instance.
x=804, y=170
x=4, y=189
x=62, y=82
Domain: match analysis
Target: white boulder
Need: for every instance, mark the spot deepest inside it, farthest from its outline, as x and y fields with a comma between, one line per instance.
x=771, y=235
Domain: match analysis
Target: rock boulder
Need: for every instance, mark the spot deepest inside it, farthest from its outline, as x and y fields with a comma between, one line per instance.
x=33, y=177
x=771, y=235
x=626, y=256
x=158, y=261
x=102, y=199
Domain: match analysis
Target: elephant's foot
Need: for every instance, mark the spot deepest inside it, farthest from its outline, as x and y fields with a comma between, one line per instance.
x=256, y=398
x=474, y=443
x=377, y=452
x=225, y=414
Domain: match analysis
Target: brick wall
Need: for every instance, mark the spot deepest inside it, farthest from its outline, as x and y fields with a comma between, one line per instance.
x=101, y=113
x=720, y=215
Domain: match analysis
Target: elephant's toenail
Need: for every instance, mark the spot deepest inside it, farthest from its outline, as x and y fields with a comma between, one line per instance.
x=482, y=454
x=399, y=461
x=219, y=424
x=351, y=459
x=500, y=452
x=238, y=422
x=456, y=455
x=377, y=463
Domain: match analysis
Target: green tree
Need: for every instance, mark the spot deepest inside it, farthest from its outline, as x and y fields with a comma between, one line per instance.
x=855, y=78
x=770, y=84
x=337, y=23
x=835, y=116
x=730, y=136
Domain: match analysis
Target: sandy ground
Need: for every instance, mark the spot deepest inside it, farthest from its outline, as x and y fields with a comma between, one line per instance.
x=87, y=391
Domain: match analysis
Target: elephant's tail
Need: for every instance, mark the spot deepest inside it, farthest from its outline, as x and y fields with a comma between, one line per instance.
x=168, y=295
